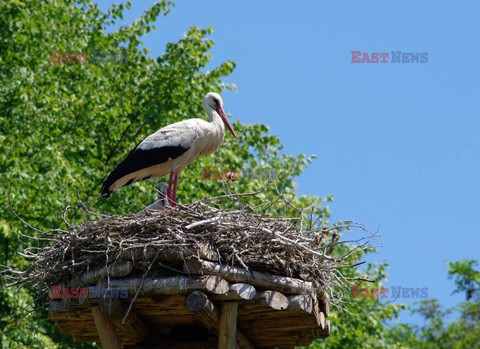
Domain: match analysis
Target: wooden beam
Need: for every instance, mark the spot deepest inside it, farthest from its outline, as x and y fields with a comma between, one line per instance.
x=278, y=325
x=321, y=321
x=106, y=330
x=236, y=274
x=114, y=270
x=243, y=291
x=172, y=285
x=237, y=292
x=165, y=344
x=324, y=300
x=300, y=303
x=57, y=306
x=273, y=299
x=227, y=325
x=204, y=309
x=85, y=339
x=318, y=310
x=207, y=313
x=327, y=328
x=115, y=309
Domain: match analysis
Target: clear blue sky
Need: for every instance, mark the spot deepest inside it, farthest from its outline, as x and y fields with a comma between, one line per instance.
x=398, y=145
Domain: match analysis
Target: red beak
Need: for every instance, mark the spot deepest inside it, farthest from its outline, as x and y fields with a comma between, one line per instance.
x=225, y=121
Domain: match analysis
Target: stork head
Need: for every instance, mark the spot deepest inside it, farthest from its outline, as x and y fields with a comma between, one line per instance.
x=213, y=101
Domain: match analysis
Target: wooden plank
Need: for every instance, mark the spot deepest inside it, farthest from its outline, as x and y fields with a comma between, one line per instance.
x=289, y=339
x=327, y=329
x=319, y=314
x=227, y=325
x=324, y=303
x=206, y=311
x=85, y=339
x=277, y=327
x=115, y=309
x=209, y=344
x=106, y=330
x=273, y=299
x=279, y=283
x=172, y=285
x=57, y=306
x=321, y=321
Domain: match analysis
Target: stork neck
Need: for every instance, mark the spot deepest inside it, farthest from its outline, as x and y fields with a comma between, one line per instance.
x=215, y=119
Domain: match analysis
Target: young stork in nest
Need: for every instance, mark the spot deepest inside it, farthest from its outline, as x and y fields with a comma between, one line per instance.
x=172, y=148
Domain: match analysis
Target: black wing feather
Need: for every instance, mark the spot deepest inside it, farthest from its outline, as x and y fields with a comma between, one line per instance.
x=139, y=159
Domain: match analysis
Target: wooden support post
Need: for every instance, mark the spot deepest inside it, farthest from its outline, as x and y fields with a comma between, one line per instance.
x=106, y=330
x=207, y=313
x=115, y=309
x=227, y=326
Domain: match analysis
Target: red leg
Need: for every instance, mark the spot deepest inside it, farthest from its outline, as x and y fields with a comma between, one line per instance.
x=177, y=174
x=170, y=186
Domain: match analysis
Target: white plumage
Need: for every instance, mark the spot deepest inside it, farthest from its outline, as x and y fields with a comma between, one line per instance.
x=172, y=148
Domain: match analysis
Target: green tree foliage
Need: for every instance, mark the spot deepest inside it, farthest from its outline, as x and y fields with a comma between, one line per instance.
x=368, y=327
x=361, y=324
x=439, y=331
x=64, y=126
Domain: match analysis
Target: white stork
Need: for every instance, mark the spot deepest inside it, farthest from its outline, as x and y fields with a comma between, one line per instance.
x=172, y=148
x=161, y=200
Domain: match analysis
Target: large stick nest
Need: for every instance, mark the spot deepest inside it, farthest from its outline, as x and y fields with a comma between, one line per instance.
x=281, y=246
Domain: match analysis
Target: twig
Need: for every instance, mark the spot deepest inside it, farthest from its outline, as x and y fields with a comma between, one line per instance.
x=139, y=289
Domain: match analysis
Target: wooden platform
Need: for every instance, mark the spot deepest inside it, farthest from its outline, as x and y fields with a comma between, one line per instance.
x=226, y=307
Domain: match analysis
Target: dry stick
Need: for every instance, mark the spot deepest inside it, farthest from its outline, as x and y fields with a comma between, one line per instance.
x=299, y=245
x=22, y=220
x=301, y=216
x=37, y=238
x=205, y=221
x=170, y=268
x=138, y=291
x=288, y=202
x=231, y=195
x=311, y=218
x=360, y=279
x=350, y=266
x=81, y=203
x=360, y=248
